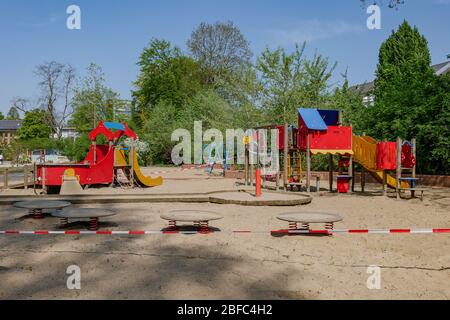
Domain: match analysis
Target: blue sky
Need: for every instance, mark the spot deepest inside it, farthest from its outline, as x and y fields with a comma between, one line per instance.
x=114, y=33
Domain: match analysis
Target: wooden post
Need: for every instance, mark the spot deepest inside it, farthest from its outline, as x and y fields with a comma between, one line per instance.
x=399, y=167
x=353, y=175
x=25, y=177
x=350, y=173
x=246, y=166
x=385, y=183
x=277, y=181
x=285, y=156
x=44, y=187
x=414, y=152
x=5, y=179
x=308, y=163
x=330, y=172
x=114, y=171
x=132, y=154
x=363, y=179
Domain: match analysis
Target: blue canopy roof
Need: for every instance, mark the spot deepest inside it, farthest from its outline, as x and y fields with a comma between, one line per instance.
x=114, y=125
x=312, y=119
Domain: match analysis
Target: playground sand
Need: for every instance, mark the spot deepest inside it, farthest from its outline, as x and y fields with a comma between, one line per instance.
x=234, y=266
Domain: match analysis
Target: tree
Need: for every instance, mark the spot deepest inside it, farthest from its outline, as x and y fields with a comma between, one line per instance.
x=21, y=104
x=2, y=117
x=290, y=81
x=165, y=75
x=402, y=86
x=94, y=101
x=56, y=81
x=410, y=100
x=33, y=126
x=13, y=114
x=351, y=103
x=433, y=130
x=220, y=48
x=392, y=3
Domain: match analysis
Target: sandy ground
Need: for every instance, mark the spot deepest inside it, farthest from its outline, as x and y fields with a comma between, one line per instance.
x=234, y=266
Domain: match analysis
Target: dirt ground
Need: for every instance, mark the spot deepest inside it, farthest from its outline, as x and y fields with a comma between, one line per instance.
x=224, y=265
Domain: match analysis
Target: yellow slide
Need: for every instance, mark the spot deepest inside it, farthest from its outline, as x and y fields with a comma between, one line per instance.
x=144, y=180
x=120, y=161
x=364, y=152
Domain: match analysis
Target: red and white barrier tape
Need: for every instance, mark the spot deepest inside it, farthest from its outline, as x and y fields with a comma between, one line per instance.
x=159, y=232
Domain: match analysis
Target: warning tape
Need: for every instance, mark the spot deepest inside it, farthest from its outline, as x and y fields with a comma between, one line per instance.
x=161, y=232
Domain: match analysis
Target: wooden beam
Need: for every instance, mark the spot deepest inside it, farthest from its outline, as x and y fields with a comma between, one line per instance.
x=5, y=179
x=363, y=179
x=308, y=163
x=399, y=167
x=285, y=156
x=352, y=171
x=246, y=161
x=414, y=153
x=330, y=172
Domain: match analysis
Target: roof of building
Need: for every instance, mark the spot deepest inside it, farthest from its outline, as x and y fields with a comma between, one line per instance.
x=442, y=68
x=312, y=119
x=10, y=125
x=364, y=88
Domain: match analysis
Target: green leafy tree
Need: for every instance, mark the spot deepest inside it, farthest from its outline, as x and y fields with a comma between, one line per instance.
x=290, y=81
x=2, y=117
x=351, y=103
x=411, y=100
x=94, y=101
x=33, y=126
x=165, y=75
x=404, y=78
x=433, y=130
x=157, y=131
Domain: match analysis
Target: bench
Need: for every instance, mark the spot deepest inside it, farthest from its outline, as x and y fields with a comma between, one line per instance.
x=413, y=190
x=293, y=185
x=412, y=181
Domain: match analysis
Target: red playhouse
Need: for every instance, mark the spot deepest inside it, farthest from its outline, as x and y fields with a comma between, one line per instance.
x=102, y=163
x=321, y=132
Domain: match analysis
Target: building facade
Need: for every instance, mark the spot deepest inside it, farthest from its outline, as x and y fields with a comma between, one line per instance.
x=8, y=130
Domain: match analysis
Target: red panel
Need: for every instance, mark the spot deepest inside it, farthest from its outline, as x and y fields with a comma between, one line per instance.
x=335, y=138
x=343, y=184
x=408, y=160
x=101, y=129
x=280, y=137
x=386, y=156
x=293, y=137
x=101, y=173
x=128, y=133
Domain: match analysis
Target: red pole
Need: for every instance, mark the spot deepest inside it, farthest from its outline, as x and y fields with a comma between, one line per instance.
x=258, y=182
